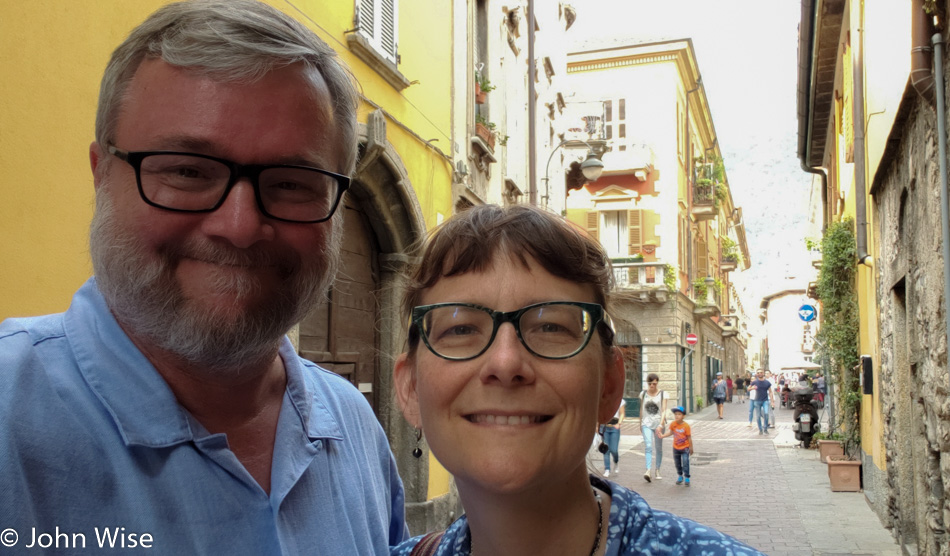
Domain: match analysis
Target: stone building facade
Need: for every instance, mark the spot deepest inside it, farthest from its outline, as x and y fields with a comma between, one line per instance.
x=912, y=495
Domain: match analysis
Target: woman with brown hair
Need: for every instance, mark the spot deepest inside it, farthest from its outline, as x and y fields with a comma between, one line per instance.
x=509, y=371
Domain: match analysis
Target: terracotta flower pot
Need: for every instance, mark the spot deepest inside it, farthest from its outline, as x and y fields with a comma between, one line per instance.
x=486, y=135
x=480, y=95
x=844, y=474
x=829, y=448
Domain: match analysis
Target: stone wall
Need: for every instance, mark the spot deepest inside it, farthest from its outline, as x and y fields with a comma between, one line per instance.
x=652, y=320
x=661, y=328
x=912, y=495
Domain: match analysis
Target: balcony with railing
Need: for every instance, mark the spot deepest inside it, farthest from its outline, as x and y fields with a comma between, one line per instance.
x=647, y=281
x=730, y=325
x=704, y=202
x=706, y=298
x=729, y=262
x=706, y=183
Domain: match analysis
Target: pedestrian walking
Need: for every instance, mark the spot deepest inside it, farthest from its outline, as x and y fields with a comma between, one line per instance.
x=762, y=401
x=652, y=418
x=611, y=432
x=719, y=392
x=682, y=444
x=750, y=390
x=740, y=389
x=729, y=386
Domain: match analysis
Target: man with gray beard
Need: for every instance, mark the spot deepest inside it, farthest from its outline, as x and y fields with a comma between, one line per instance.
x=166, y=409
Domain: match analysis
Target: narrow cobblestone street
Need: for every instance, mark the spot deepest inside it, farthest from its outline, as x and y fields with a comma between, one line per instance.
x=763, y=490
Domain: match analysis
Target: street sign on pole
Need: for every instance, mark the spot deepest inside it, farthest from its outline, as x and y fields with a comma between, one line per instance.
x=807, y=313
x=691, y=339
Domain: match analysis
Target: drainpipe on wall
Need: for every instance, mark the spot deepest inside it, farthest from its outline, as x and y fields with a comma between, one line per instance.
x=532, y=113
x=824, y=191
x=689, y=180
x=942, y=158
x=860, y=163
x=921, y=74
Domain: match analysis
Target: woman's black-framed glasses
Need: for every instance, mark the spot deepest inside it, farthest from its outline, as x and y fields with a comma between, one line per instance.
x=189, y=182
x=550, y=330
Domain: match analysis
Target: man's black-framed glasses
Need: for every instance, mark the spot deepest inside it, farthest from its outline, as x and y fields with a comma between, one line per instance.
x=189, y=182
x=551, y=330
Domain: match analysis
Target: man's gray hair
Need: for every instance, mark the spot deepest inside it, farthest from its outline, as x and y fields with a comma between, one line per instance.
x=228, y=40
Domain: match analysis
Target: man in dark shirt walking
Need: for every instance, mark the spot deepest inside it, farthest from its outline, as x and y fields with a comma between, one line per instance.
x=762, y=400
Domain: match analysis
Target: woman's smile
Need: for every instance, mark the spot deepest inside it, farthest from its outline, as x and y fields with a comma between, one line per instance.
x=507, y=420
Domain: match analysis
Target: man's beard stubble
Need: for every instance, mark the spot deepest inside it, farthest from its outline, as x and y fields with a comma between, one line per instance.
x=142, y=291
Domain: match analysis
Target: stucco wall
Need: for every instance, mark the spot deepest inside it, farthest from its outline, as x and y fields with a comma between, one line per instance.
x=48, y=96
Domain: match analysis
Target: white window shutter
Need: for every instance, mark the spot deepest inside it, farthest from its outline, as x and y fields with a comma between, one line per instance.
x=387, y=26
x=367, y=15
x=378, y=23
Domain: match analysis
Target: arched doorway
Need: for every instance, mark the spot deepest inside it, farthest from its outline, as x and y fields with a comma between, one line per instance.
x=627, y=338
x=341, y=335
x=356, y=331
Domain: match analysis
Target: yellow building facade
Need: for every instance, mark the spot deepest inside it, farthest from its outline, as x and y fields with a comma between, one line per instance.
x=49, y=85
x=868, y=128
x=664, y=212
x=55, y=54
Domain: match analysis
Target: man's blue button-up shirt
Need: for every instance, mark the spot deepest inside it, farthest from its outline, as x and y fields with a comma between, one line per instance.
x=95, y=450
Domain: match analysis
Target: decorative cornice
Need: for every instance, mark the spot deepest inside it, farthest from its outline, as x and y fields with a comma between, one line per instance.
x=621, y=62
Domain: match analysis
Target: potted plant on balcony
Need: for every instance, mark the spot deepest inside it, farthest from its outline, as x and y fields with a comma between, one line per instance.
x=709, y=179
x=482, y=87
x=730, y=252
x=485, y=131
x=699, y=286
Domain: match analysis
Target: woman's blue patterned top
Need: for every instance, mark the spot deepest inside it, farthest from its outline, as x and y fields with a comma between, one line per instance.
x=634, y=528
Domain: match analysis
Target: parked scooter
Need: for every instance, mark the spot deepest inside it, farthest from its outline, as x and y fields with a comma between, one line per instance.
x=805, y=415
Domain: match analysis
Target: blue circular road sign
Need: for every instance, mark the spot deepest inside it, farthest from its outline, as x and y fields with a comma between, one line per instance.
x=807, y=313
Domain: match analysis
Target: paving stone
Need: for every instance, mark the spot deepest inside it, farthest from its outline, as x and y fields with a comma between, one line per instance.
x=763, y=490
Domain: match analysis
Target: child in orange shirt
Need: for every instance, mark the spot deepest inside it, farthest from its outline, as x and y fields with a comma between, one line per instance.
x=682, y=444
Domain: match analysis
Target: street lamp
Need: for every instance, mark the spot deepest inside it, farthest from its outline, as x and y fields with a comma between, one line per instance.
x=592, y=167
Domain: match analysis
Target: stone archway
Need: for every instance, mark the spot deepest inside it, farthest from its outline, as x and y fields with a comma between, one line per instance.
x=357, y=331
x=628, y=339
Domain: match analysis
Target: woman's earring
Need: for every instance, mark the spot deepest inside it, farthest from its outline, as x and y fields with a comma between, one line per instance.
x=417, y=453
x=603, y=445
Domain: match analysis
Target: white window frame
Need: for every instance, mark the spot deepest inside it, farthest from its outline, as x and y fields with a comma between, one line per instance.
x=614, y=231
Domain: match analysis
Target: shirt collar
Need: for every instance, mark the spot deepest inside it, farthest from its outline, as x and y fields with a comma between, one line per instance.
x=307, y=403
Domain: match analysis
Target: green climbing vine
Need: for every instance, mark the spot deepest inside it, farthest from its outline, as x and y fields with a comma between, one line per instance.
x=669, y=278
x=838, y=336
x=699, y=286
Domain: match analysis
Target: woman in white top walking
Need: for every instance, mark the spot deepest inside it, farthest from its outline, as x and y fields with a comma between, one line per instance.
x=652, y=417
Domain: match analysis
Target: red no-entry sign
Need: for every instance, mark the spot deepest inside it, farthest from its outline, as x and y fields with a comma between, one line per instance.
x=691, y=339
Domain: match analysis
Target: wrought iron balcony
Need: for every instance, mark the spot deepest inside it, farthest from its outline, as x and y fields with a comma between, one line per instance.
x=704, y=205
x=644, y=280
x=729, y=262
